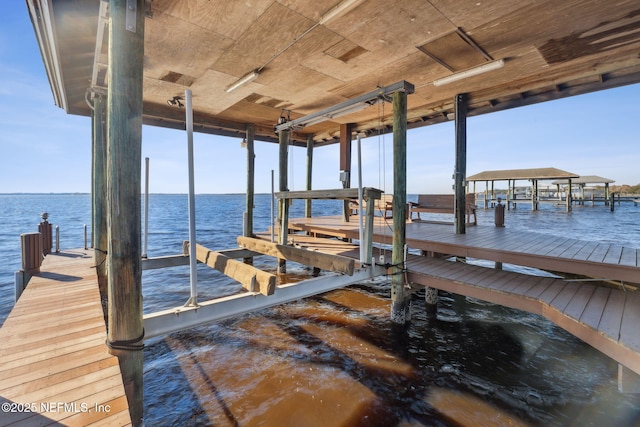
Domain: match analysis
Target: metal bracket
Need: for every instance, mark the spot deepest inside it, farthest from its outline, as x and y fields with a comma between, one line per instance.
x=131, y=15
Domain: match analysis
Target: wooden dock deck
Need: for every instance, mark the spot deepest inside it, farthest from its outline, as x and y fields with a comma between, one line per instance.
x=55, y=368
x=499, y=244
x=604, y=317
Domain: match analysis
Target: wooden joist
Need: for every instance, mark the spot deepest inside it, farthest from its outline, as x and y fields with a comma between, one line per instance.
x=320, y=260
x=251, y=278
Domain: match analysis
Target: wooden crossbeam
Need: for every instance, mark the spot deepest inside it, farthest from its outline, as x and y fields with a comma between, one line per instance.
x=336, y=263
x=251, y=278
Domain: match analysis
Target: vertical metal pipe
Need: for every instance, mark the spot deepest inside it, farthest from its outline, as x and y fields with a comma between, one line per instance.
x=273, y=198
x=360, y=218
x=461, y=163
x=192, y=203
x=307, y=202
x=249, y=138
x=146, y=207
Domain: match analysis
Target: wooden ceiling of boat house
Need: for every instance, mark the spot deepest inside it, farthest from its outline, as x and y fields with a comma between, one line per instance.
x=310, y=58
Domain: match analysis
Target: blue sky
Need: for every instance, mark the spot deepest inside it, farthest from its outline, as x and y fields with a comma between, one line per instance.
x=42, y=149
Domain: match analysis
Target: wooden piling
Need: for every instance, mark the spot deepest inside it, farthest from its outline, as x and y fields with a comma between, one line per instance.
x=99, y=233
x=345, y=163
x=307, y=202
x=251, y=156
x=283, y=204
x=31, y=246
x=125, y=332
x=461, y=163
x=399, y=300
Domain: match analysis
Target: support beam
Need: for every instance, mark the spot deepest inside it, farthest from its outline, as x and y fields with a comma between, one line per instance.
x=460, y=175
x=345, y=163
x=283, y=205
x=251, y=156
x=125, y=328
x=251, y=278
x=399, y=300
x=100, y=232
x=307, y=203
x=180, y=318
x=330, y=262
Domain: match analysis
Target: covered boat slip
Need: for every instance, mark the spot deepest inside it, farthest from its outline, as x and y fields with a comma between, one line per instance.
x=55, y=367
x=310, y=70
x=533, y=175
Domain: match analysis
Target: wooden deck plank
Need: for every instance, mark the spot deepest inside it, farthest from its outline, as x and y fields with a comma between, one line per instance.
x=574, y=249
x=611, y=315
x=552, y=291
x=630, y=326
x=579, y=302
x=584, y=253
x=592, y=313
x=599, y=253
x=629, y=257
x=52, y=347
x=613, y=255
x=562, y=299
x=540, y=287
x=568, y=243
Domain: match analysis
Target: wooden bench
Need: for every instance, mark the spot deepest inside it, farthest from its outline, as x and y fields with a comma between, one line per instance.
x=384, y=205
x=444, y=204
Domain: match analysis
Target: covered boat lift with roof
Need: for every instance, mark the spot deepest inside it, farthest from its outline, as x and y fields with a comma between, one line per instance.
x=512, y=175
x=253, y=65
x=581, y=182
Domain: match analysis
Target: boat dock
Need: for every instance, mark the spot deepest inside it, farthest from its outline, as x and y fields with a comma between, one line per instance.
x=63, y=372
x=604, y=317
x=55, y=368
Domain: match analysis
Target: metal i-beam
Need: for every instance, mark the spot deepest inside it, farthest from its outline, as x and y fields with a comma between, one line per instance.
x=181, y=318
x=347, y=107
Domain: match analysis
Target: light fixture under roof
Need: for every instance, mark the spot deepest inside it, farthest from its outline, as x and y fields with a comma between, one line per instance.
x=339, y=10
x=489, y=66
x=243, y=80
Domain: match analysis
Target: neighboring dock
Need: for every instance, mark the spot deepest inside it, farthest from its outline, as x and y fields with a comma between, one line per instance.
x=55, y=368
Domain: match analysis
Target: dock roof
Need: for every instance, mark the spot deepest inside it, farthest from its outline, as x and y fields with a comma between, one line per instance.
x=300, y=57
x=516, y=174
x=586, y=179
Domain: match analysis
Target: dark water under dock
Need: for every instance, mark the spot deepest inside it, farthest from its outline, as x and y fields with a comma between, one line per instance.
x=335, y=360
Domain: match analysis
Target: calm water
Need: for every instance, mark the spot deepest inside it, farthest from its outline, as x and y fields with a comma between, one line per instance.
x=335, y=360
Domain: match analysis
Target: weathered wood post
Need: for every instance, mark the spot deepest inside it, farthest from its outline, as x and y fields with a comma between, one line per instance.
x=345, y=163
x=400, y=308
x=307, y=202
x=44, y=228
x=99, y=233
x=460, y=174
x=125, y=326
x=31, y=247
x=251, y=156
x=569, y=196
x=283, y=204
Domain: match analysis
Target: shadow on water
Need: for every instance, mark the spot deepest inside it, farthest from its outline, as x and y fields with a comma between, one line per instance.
x=335, y=360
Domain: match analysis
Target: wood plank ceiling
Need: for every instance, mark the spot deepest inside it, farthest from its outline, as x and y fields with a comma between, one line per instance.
x=551, y=49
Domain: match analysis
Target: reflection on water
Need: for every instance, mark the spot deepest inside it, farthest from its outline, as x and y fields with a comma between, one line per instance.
x=335, y=360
